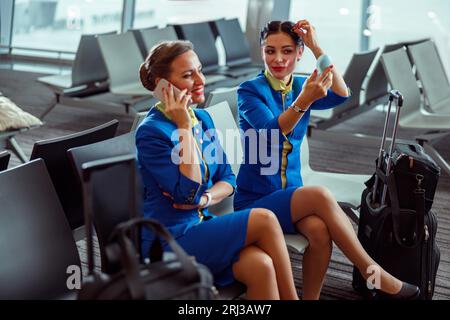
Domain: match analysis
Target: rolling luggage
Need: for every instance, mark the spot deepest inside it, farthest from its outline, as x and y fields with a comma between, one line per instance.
x=397, y=226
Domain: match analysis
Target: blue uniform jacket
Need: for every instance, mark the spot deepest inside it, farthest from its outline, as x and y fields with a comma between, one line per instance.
x=156, y=141
x=259, y=107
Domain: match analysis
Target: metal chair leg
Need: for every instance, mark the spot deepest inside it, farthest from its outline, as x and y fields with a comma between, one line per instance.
x=12, y=144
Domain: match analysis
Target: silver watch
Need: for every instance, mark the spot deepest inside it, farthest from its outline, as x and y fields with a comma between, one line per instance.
x=297, y=109
x=208, y=197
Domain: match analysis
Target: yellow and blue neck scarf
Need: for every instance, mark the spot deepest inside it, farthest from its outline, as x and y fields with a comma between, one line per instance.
x=162, y=107
x=277, y=84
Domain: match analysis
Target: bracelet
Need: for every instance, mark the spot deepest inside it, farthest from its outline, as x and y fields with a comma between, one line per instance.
x=208, y=197
x=297, y=109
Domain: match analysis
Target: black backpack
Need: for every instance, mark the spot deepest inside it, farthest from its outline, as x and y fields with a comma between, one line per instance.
x=180, y=277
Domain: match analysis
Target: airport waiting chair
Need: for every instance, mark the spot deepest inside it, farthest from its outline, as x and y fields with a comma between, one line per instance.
x=123, y=58
x=224, y=94
x=354, y=77
x=138, y=118
x=151, y=37
x=237, y=50
x=53, y=152
x=108, y=148
x=431, y=73
x=346, y=188
x=110, y=188
x=4, y=160
x=376, y=87
x=88, y=76
x=88, y=66
x=140, y=40
x=36, y=244
x=111, y=191
x=202, y=37
x=401, y=77
x=224, y=121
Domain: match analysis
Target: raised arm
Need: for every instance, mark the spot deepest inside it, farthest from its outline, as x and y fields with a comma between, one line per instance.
x=308, y=33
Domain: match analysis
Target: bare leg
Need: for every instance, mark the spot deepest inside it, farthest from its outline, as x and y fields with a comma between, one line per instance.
x=255, y=269
x=264, y=231
x=319, y=201
x=316, y=257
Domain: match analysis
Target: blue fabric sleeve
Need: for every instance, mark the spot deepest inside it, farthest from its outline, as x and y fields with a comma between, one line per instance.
x=330, y=101
x=155, y=156
x=256, y=112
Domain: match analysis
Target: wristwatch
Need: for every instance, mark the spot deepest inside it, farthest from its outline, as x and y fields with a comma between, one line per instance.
x=297, y=109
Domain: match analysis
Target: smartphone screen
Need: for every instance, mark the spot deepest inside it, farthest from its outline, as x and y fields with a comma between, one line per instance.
x=163, y=83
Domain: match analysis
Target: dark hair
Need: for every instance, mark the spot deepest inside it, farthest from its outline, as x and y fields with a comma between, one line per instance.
x=274, y=27
x=157, y=64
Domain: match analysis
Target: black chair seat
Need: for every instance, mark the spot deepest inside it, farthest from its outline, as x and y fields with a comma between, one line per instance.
x=36, y=243
x=67, y=186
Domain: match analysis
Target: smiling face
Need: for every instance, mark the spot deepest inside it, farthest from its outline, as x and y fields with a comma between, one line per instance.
x=280, y=55
x=187, y=74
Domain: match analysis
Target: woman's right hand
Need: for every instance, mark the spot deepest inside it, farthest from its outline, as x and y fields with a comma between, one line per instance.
x=315, y=87
x=176, y=107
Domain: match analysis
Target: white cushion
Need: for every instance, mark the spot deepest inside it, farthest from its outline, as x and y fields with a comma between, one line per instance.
x=12, y=117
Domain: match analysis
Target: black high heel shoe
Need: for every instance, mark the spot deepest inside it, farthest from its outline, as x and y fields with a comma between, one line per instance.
x=407, y=292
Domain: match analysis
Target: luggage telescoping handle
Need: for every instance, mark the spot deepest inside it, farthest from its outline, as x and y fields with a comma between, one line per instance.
x=381, y=152
x=394, y=95
x=87, y=169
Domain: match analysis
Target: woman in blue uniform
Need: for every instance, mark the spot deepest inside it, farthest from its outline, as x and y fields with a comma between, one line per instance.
x=184, y=171
x=276, y=105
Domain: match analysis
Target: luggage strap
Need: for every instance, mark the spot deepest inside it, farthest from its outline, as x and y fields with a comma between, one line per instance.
x=419, y=197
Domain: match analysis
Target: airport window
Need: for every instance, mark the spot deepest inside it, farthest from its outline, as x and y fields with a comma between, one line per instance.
x=57, y=25
x=338, y=25
x=163, y=12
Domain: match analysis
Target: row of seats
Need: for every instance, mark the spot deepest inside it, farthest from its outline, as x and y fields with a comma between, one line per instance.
x=101, y=64
x=366, y=78
x=426, y=107
x=55, y=171
x=37, y=247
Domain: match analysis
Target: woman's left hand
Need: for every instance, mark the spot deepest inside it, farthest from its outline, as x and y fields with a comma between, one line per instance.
x=308, y=33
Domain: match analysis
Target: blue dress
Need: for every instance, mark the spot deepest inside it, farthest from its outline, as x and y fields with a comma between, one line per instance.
x=215, y=242
x=270, y=184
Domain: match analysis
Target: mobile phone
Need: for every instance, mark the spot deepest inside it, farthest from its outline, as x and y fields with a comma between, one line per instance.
x=163, y=83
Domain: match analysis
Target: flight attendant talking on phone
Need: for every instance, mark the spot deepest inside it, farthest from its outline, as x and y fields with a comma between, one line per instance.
x=181, y=180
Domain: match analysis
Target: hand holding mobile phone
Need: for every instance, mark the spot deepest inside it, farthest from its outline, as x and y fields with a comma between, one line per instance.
x=158, y=92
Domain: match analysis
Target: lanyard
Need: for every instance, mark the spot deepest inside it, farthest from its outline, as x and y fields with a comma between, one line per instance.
x=205, y=179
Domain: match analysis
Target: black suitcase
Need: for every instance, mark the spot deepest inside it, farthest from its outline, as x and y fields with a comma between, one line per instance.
x=397, y=226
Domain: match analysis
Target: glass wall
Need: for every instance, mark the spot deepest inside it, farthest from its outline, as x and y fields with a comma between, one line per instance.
x=58, y=24
x=337, y=25
x=400, y=20
x=163, y=12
